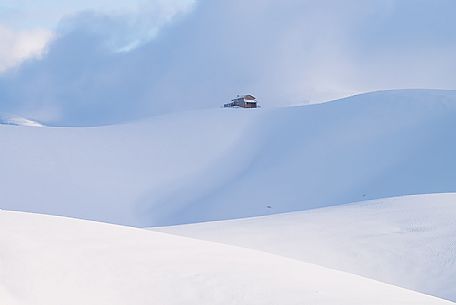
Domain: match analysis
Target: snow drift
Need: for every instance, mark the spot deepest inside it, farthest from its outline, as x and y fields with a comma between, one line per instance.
x=52, y=261
x=226, y=163
x=406, y=241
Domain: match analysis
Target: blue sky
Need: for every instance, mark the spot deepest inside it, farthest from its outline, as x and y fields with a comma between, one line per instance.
x=94, y=62
x=47, y=13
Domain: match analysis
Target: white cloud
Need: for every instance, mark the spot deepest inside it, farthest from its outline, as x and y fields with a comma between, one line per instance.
x=17, y=46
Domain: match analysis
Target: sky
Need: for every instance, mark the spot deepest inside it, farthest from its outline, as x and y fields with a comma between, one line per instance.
x=84, y=63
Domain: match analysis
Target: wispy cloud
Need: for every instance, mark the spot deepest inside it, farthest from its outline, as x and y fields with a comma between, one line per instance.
x=127, y=29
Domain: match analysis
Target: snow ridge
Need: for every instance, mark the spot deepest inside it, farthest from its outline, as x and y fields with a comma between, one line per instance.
x=406, y=241
x=54, y=261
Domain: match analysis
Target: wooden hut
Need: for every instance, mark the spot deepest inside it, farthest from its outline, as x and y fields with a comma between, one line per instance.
x=244, y=101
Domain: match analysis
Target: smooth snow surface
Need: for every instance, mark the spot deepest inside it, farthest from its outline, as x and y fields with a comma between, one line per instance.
x=231, y=163
x=407, y=241
x=53, y=261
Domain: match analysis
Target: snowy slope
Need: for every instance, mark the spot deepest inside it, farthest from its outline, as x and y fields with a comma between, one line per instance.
x=407, y=241
x=7, y=119
x=230, y=163
x=53, y=261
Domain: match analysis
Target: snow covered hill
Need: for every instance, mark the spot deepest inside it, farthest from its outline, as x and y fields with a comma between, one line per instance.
x=230, y=163
x=7, y=119
x=53, y=261
x=407, y=241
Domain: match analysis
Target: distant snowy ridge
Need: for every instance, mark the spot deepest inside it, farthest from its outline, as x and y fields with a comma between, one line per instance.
x=53, y=261
x=221, y=164
x=7, y=119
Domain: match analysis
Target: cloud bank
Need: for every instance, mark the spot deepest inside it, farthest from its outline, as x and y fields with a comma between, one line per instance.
x=106, y=68
x=26, y=26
